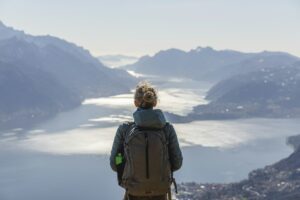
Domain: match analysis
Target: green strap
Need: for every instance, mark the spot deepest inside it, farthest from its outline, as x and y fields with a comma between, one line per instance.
x=119, y=159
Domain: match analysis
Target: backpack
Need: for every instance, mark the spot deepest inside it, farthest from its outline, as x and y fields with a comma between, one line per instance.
x=147, y=170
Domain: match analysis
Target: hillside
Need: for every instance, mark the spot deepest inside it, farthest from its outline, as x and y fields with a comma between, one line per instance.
x=44, y=75
x=280, y=181
x=31, y=98
x=268, y=92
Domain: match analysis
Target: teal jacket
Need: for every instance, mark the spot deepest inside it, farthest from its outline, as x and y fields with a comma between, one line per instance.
x=153, y=118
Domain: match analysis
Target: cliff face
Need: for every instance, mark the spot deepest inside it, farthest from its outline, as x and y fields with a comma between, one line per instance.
x=280, y=181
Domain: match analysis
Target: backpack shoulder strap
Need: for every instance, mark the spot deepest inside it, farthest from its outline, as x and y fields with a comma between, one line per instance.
x=127, y=128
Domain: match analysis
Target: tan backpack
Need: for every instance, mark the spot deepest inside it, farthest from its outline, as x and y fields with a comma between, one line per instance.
x=147, y=170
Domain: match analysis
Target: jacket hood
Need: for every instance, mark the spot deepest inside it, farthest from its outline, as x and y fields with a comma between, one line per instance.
x=153, y=118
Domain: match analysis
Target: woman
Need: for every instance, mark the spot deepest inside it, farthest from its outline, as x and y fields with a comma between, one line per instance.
x=145, y=99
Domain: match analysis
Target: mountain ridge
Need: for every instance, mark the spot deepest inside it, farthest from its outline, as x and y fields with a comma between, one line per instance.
x=201, y=63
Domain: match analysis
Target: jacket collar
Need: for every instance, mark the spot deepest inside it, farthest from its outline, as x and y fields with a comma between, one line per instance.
x=152, y=118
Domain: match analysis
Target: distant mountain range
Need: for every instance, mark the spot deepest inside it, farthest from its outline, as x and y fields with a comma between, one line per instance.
x=49, y=75
x=43, y=75
x=280, y=181
x=207, y=64
x=264, y=84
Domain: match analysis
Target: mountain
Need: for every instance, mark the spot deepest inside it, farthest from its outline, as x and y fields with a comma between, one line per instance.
x=257, y=62
x=45, y=75
x=280, y=181
x=206, y=63
x=83, y=77
x=270, y=92
x=277, y=85
x=115, y=61
x=267, y=92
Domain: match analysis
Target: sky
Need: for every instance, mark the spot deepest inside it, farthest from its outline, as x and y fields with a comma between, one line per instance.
x=139, y=27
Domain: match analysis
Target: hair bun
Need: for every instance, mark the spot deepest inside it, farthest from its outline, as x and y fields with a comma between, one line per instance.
x=149, y=97
x=145, y=95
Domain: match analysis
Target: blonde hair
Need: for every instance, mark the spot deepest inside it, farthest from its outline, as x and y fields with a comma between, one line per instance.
x=145, y=95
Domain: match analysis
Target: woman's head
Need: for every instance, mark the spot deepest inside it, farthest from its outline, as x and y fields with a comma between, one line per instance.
x=145, y=95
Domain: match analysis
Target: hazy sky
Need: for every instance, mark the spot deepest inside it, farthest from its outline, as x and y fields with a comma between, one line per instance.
x=137, y=27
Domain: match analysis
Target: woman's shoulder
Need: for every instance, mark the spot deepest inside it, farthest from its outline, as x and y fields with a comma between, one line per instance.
x=169, y=125
x=169, y=129
x=125, y=126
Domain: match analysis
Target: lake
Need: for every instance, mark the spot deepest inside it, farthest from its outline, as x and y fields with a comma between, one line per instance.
x=67, y=157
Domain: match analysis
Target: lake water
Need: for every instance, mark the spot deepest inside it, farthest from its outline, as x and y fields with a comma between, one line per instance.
x=67, y=157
